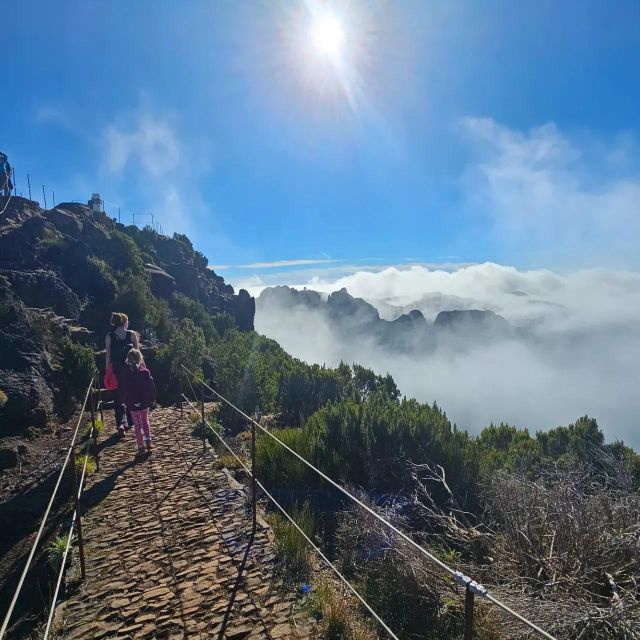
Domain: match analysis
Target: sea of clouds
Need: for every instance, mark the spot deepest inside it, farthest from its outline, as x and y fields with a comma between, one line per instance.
x=581, y=355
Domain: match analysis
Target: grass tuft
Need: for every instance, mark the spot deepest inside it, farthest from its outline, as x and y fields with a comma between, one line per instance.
x=230, y=462
x=55, y=551
x=293, y=550
x=91, y=463
x=337, y=618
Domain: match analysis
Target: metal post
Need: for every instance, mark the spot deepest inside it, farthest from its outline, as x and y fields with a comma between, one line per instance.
x=44, y=195
x=468, y=615
x=254, y=486
x=118, y=214
x=93, y=425
x=204, y=431
x=76, y=502
x=53, y=198
x=29, y=183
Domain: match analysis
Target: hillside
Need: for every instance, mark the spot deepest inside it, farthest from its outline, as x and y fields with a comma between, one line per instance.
x=549, y=521
x=62, y=271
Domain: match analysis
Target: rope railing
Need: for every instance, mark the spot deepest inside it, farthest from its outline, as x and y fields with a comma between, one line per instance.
x=76, y=516
x=472, y=588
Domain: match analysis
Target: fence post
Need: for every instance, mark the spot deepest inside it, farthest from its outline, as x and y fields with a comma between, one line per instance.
x=468, y=614
x=76, y=502
x=254, y=487
x=29, y=185
x=44, y=195
x=93, y=424
x=204, y=432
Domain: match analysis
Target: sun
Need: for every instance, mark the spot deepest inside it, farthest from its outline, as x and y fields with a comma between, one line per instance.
x=328, y=36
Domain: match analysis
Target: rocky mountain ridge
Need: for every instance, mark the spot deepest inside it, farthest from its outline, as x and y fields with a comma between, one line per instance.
x=62, y=271
x=410, y=332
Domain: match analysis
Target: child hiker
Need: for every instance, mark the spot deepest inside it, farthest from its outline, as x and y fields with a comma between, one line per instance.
x=140, y=396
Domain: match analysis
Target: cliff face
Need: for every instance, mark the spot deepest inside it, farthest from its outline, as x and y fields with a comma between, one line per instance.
x=63, y=270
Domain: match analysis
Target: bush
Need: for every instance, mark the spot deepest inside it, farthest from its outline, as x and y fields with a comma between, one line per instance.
x=135, y=299
x=123, y=254
x=187, y=346
x=75, y=368
x=185, y=307
x=276, y=466
x=3, y=398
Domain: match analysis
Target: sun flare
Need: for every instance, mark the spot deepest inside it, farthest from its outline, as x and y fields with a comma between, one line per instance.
x=328, y=36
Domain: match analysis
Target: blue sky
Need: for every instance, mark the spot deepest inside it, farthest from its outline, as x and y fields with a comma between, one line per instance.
x=452, y=131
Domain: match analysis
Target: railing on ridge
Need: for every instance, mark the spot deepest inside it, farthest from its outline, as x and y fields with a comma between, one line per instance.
x=76, y=520
x=472, y=588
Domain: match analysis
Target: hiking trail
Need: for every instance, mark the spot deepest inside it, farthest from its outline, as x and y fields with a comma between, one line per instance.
x=165, y=542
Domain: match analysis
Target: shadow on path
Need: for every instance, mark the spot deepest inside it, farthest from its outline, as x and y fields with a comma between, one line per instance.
x=236, y=586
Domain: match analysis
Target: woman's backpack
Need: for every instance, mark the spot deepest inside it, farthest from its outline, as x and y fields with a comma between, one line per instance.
x=120, y=348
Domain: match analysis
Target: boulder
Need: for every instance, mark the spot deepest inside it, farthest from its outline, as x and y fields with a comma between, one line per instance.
x=162, y=284
x=9, y=458
x=43, y=289
x=29, y=401
x=65, y=222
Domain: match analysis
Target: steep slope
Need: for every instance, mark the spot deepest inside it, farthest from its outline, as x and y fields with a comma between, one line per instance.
x=62, y=271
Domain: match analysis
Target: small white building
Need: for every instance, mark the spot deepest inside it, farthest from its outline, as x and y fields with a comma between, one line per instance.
x=96, y=204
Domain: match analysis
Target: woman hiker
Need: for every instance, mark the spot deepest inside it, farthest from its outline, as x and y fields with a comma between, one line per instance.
x=118, y=343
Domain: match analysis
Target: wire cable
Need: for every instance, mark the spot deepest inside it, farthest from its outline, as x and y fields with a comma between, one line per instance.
x=6, y=182
x=44, y=519
x=306, y=537
x=69, y=540
x=455, y=574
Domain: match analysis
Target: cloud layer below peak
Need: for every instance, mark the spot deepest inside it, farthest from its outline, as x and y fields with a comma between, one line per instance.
x=580, y=355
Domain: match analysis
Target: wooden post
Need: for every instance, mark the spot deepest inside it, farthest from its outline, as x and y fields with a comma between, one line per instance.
x=44, y=195
x=29, y=184
x=468, y=615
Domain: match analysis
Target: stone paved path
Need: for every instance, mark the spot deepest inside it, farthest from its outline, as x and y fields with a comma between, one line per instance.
x=164, y=539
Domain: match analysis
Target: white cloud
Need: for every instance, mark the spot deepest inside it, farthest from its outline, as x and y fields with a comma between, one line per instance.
x=150, y=141
x=567, y=198
x=580, y=355
x=276, y=264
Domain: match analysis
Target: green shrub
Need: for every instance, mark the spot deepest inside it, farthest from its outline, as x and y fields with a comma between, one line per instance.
x=135, y=299
x=277, y=466
x=187, y=346
x=56, y=549
x=185, y=307
x=123, y=254
x=3, y=398
x=81, y=460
